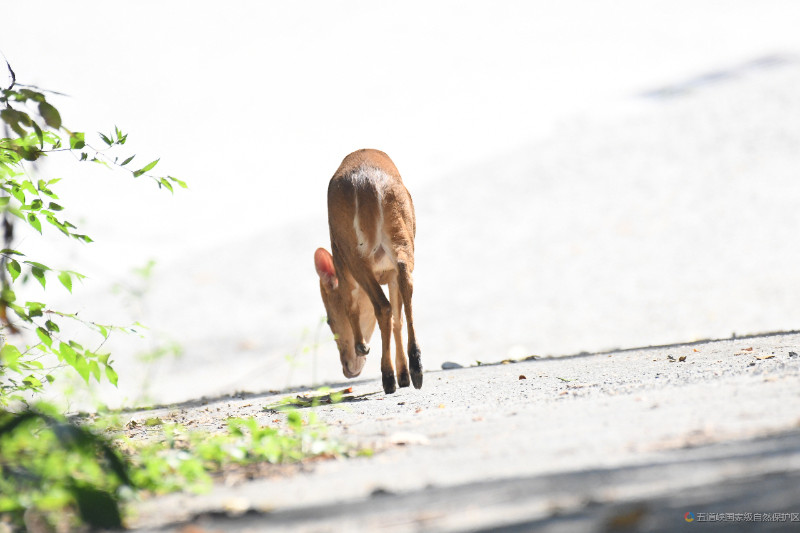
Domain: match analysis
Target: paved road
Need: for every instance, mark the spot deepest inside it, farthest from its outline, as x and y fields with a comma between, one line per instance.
x=590, y=442
x=672, y=220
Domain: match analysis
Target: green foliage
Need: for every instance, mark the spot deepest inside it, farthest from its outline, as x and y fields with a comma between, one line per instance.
x=322, y=396
x=59, y=469
x=34, y=129
x=178, y=459
x=49, y=465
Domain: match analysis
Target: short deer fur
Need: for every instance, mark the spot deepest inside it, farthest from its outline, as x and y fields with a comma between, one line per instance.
x=372, y=225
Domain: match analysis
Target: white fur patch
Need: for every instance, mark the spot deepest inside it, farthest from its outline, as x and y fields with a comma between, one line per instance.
x=369, y=245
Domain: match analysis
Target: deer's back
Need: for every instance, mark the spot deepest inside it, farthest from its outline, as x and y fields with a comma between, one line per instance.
x=371, y=214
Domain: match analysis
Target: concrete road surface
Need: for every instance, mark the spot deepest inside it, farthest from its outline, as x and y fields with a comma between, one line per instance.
x=627, y=440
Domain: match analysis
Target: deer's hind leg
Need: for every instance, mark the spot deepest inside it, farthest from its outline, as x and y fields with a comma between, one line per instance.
x=406, y=286
x=401, y=363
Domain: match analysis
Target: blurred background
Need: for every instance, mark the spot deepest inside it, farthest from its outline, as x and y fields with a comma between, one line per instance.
x=586, y=174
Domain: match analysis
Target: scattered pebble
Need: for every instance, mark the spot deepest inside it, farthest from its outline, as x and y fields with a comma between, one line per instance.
x=450, y=365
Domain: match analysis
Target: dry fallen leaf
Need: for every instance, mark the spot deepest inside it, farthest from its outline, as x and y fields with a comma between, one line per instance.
x=522, y=376
x=683, y=358
x=750, y=349
x=237, y=506
x=765, y=357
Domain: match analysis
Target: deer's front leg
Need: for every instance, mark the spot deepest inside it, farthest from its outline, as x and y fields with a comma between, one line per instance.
x=349, y=290
x=383, y=314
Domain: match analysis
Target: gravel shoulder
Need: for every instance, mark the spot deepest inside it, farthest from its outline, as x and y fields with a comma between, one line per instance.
x=576, y=443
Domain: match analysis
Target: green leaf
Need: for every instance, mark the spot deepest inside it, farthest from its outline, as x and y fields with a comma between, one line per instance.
x=9, y=251
x=166, y=184
x=105, y=139
x=18, y=193
x=82, y=366
x=44, y=336
x=28, y=186
x=34, y=222
x=7, y=295
x=76, y=275
x=19, y=311
x=52, y=326
x=94, y=368
x=4, y=201
x=77, y=140
x=181, y=184
x=100, y=162
x=39, y=134
x=38, y=273
x=36, y=205
x=128, y=160
x=38, y=265
x=34, y=364
x=35, y=308
x=28, y=94
x=54, y=206
x=66, y=353
x=13, y=268
x=147, y=168
x=66, y=280
x=112, y=375
x=10, y=355
x=32, y=382
x=50, y=115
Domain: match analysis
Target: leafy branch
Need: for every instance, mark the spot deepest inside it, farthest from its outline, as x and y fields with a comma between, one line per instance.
x=34, y=129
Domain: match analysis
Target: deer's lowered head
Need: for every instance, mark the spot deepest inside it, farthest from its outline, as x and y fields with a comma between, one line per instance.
x=352, y=353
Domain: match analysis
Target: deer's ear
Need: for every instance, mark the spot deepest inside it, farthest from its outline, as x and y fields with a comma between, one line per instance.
x=323, y=261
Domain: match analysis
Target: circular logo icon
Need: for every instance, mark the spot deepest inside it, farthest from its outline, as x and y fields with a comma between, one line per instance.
x=689, y=517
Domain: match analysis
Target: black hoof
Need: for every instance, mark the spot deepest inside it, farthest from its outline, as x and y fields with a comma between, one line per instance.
x=403, y=380
x=415, y=362
x=388, y=383
x=416, y=379
x=362, y=348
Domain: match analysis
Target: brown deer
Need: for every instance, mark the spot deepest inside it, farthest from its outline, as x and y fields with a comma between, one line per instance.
x=372, y=225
